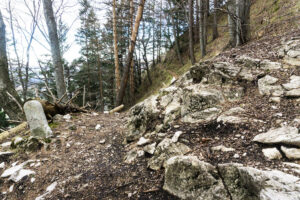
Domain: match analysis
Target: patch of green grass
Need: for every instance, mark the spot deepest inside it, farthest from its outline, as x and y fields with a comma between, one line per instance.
x=53, y=125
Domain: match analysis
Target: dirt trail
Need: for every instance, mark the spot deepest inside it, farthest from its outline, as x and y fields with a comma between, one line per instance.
x=86, y=169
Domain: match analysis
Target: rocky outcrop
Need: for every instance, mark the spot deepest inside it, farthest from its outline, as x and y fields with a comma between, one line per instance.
x=189, y=178
x=290, y=52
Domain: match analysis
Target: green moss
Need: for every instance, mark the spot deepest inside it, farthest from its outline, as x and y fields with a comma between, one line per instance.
x=53, y=125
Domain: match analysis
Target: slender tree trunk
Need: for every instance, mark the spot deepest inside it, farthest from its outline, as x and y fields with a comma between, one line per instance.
x=196, y=29
x=242, y=21
x=139, y=16
x=132, y=63
x=201, y=29
x=215, y=23
x=232, y=22
x=6, y=85
x=191, y=24
x=174, y=28
x=116, y=54
x=206, y=12
x=55, y=49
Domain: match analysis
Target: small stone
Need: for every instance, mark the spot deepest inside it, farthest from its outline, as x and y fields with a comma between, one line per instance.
x=293, y=93
x=67, y=117
x=176, y=126
x=236, y=155
x=95, y=114
x=150, y=148
x=272, y=153
x=98, y=126
x=222, y=148
x=17, y=140
x=275, y=99
x=32, y=180
x=176, y=136
x=6, y=145
x=142, y=141
x=244, y=154
x=102, y=141
x=291, y=153
x=11, y=188
x=68, y=145
x=238, y=135
x=2, y=165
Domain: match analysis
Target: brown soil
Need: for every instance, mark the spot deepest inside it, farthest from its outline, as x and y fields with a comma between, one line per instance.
x=87, y=169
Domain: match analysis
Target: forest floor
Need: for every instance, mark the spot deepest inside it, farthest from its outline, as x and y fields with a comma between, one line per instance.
x=88, y=164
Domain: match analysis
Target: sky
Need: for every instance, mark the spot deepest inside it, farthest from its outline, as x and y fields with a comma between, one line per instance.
x=40, y=46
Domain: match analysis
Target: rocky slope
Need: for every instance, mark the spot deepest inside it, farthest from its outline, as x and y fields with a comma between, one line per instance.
x=227, y=129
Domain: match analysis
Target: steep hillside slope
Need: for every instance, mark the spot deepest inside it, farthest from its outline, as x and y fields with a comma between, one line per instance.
x=268, y=18
x=239, y=107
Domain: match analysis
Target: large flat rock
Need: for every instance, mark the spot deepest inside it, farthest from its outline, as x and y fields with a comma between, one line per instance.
x=284, y=135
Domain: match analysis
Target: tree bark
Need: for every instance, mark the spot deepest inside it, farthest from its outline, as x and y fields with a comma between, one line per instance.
x=232, y=22
x=6, y=85
x=122, y=90
x=116, y=52
x=191, y=24
x=55, y=49
x=174, y=28
x=215, y=23
x=132, y=63
x=201, y=29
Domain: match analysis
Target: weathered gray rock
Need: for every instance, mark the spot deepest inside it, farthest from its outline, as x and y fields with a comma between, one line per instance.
x=142, y=141
x=17, y=173
x=150, y=148
x=248, y=62
x=246, y=183
x=294, y=53
x=291, y=153
x=36, y=119
x=141, y=116
x=132, y=155
x=165, y=150
x=189, y=178
x=293, y=84
x=293, y=93
x=266, y=85
x=176, y=136
x=272, y=153
x=222, y=148
x=200, y=104
x=268, y=65
x=232, y=116
x=284, y=135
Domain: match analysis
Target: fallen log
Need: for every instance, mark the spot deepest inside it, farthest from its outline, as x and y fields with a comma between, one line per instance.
x=13, y=131
x=117, y=109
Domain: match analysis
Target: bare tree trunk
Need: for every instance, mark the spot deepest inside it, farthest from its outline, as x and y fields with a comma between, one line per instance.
x=242, y=21
x=6, y=85
x=196, y=29
x=205, y=19
x=201, y=29
x=215, y=23
x=191, y=24
x=132, y=63
x=55, y=49
x=139, y=16
x=116, y=52
x=174, y=28
x=232, y=22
